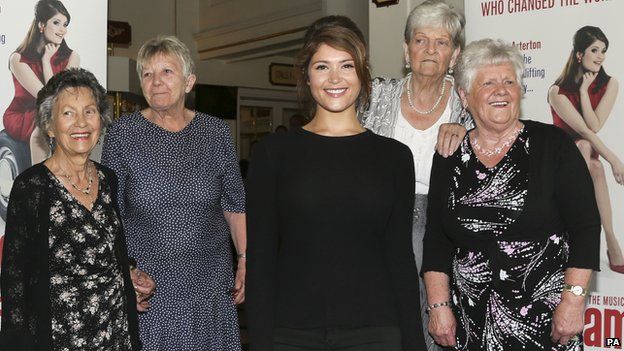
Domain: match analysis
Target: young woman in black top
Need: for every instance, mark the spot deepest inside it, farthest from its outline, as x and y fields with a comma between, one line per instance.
x=329, y=216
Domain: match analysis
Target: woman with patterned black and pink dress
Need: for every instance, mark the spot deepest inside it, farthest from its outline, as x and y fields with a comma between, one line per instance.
x=513, y=232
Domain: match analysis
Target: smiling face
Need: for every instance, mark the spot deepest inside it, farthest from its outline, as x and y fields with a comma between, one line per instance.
x=163, y=82
x=76, y=122
x=54, y=30
x=494, y=97
x=593, y=57
x=430, y=52
x=333, y=80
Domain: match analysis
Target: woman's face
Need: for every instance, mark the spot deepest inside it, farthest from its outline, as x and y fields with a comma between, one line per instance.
x=163, y=82
x=333, y=80
x=75, y=122
x=430, y=52
x=54, y=29
x=494, y=97
x=593, y=57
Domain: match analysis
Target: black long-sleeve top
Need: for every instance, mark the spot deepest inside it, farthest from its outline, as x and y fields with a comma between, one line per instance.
x=560, y=199
x=329, y=236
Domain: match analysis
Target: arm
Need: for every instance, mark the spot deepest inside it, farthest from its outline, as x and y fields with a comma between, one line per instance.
x=438, y=252
x=575, y=199
x=262, y=249
x=233, y=205
x=19, y=246
x=25, y=75
x=236, y=222
x=400, y=256
x=596, y=119
x=571, y=117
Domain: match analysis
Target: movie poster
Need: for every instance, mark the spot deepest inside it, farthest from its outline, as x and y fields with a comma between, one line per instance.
x=55, y=42
x=543, y=30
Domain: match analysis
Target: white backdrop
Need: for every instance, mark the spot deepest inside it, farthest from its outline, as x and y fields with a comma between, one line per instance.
x=86, y=35
x=543, y=30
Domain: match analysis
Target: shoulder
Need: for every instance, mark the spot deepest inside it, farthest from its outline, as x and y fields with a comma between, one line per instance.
x=612, y=83
x=108, y=173
x=15, y=57
x=125, y=124
x=386, y=84
x=553, y=90
x=389, y=146
x=212, y=122
x=545, y=133
x=32, y=179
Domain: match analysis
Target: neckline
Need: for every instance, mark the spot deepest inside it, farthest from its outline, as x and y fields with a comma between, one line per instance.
x=159, y=128
x=327, y=137
x=59, y=183
x=512, y=147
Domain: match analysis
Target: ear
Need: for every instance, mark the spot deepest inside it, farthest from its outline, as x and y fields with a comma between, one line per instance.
x=454, y=57
x=406, y=52
x=190, y=81
x=463, y=96
x=41, y=26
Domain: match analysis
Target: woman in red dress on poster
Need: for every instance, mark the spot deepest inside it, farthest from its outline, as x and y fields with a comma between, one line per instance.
x=581, y=100
x=42, y=54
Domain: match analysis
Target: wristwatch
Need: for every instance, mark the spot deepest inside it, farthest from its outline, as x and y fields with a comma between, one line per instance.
x=575, y=289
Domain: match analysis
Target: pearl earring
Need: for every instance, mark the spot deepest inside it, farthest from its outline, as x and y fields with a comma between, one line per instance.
x=407, y=65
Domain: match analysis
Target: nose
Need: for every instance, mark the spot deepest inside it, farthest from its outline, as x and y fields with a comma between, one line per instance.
x=334, y=76
x=431, y=47
x=501, y=89
x=81, y=119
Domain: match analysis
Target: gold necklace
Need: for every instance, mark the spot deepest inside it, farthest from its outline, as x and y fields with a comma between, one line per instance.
x=86, y=190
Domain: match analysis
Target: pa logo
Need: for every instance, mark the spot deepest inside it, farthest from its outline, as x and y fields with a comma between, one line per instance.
x=613, y=342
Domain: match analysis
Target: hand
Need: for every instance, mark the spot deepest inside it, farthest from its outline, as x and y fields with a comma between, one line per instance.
x=238, y=293
x=567, y=319
x=617, y=168
x=442, y=325
x=588, y=79
x=144, y=287
x=49, y=50
x=450, y=136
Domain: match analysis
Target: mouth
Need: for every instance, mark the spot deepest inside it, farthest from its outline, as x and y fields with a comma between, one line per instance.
x=499, y=103
x=80, y=136
x=338, y=92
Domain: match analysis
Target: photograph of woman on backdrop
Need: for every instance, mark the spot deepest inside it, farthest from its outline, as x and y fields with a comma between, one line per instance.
x=581, y=101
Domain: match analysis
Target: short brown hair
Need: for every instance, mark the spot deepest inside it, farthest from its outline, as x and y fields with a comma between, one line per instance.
x=341, y=33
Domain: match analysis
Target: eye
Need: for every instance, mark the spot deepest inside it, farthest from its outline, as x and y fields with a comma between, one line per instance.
x=168, y=70
x=348, y=66
x=147, y=74
x=68, y=113
x=320, y=67
x=510, y=82
x=594, y=50
x=91, y=112
x=487, y=83
x=443, y=42
x=56, y=22
x=419, y=41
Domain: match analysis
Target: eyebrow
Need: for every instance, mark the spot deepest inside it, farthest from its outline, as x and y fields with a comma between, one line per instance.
x=325, y=61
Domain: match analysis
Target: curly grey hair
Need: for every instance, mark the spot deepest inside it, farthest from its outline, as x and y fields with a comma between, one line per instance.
x=486, y=52
x=67, y=79
x=168, y=45
x=437, y=14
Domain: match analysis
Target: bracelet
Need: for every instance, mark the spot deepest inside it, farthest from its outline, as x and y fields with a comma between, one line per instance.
x=436, y=305
x=241, y=255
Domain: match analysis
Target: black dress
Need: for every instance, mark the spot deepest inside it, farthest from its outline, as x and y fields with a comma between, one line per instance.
x=65, y=279
x=507, y=278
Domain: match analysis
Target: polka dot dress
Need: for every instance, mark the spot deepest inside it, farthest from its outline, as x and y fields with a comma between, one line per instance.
x=173, y=189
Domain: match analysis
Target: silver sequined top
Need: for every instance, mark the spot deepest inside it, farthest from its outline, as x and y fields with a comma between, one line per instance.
x=385, y=102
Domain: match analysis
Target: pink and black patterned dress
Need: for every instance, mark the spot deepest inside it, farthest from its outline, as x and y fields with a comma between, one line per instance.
x=505, y=242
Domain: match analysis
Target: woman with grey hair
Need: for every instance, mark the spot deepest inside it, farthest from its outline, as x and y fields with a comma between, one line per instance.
x=423, y=108
x=513, y=230
x=65, y=274
x=182, y=200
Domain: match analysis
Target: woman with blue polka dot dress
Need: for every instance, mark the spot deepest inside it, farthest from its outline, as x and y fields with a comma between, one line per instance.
x=181, y=199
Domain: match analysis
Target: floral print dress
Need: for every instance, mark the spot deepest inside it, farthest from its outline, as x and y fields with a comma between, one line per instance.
x=88, y=304
x=504, y=292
